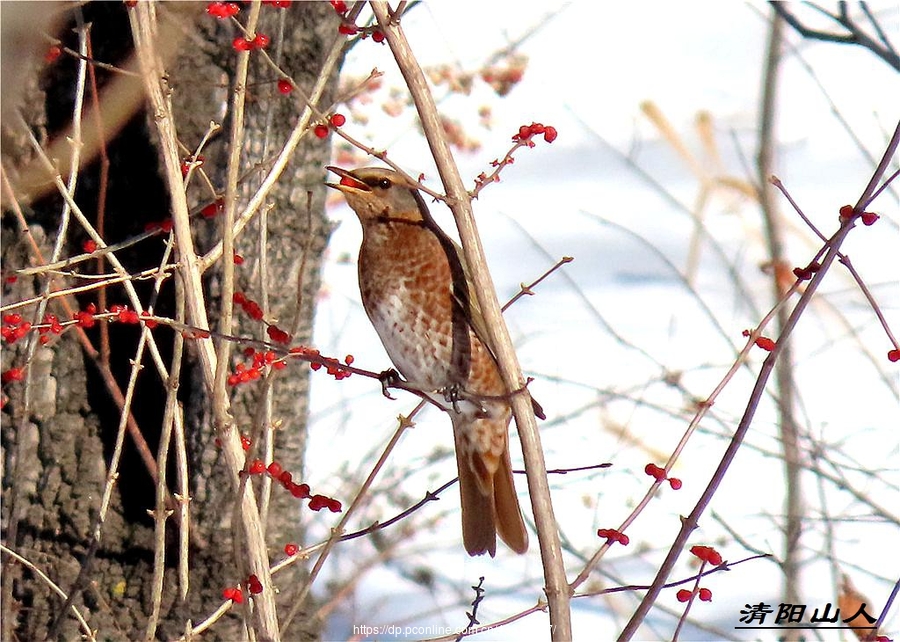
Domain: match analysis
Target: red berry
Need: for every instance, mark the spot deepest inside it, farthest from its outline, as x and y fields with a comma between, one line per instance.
x=378, y=36
x=655, y=471
x=274, y=469
x=285, y=86
x=12, y=319
x=233, y=594
x=869, y=218
x=347, y=29
x=705, y=594
x=707, y=554
x=802, y=274
x=241, y=44
x=300, y=491
x=894, y=355
x=89, y=246
x=765, y=343
x=213, y=209
x=321, y=131
x=238, y=259
x=683, y=595
x=150, y=323
x=291, y=549
x=254, y=585
x=675, y=483
x=13, y=374
x=257, y=467
x=338, y=120
x=261, y=41
x=52, y=53
x=340, y=6
x=846, y=212
x=550, y=134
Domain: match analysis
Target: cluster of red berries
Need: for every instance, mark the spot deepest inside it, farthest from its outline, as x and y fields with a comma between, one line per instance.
x=278, y=335
x=13, y=374
x=613, y=535
x=254, y=311
x=14, y=328
x=223, y=10
x=249, y=306
x=236, y=595
x=334, y=367
x=300, y=491
x=336, y=120
x=85, y=318
x=847, y=212
x=124, y=314
x=51, y=325
x=708, y=555
x=348, y=28
x=659, y=474
x=244, y=373
x=260, y=41
x=683, y=595
x=527, y=132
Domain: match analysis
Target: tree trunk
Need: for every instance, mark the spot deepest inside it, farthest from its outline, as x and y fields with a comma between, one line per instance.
x=59, y=427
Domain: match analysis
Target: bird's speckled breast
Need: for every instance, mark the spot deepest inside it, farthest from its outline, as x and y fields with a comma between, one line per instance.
x=405, y=280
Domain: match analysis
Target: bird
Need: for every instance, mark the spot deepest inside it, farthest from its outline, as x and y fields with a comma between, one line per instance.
x=415, y=289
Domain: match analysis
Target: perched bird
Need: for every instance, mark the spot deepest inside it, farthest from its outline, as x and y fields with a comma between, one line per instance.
x=415, y=290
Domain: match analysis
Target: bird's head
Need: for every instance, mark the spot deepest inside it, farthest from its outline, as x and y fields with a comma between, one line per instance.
x=376, y=193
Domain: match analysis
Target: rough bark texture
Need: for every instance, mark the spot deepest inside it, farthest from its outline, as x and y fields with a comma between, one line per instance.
x=56, y=447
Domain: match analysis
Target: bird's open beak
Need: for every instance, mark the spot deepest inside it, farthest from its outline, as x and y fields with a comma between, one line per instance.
x=348, y=181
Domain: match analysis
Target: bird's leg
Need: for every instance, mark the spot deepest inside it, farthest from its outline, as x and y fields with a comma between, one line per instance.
x=452, y=394
x=389, y=378
x=455, y=393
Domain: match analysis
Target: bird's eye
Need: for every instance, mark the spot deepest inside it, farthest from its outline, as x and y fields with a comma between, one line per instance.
x=384, y=183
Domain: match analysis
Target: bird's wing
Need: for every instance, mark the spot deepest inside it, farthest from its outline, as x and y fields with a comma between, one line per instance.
x=476, y=320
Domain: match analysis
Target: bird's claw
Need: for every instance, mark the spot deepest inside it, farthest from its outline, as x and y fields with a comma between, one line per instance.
x=452, y=394
x=389, y=378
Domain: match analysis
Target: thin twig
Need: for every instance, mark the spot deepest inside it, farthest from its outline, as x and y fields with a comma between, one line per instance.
x=88, y=632
x=300, y=600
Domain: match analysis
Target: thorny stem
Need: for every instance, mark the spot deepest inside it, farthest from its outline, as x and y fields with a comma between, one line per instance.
x=691, y=522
